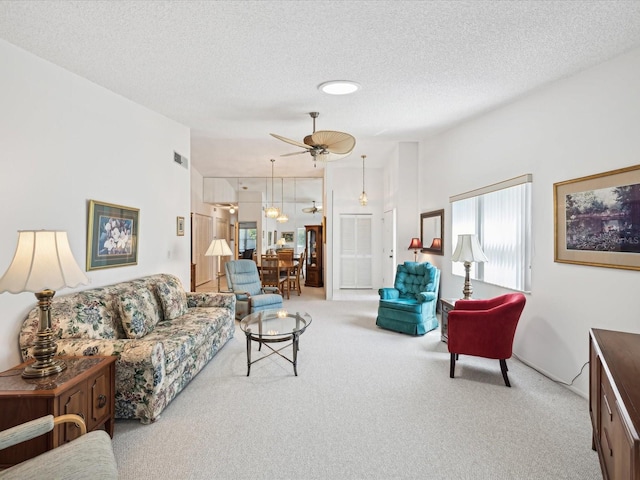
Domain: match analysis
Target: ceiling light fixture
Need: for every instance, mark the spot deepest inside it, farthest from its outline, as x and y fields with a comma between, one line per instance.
x=339, y=87
x=363, y=195
x=272, y=211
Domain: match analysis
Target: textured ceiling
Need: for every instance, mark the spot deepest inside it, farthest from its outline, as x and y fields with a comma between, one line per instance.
x=235, y=71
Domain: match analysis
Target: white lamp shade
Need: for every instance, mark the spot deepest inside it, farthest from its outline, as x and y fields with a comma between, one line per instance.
x=468, y=250
x=281, y=242
x=217, y=248
x=43, y=260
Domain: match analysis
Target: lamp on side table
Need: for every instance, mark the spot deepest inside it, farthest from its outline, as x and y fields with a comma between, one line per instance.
x=42, y=264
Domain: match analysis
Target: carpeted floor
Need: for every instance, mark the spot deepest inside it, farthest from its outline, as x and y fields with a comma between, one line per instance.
x=367, y=404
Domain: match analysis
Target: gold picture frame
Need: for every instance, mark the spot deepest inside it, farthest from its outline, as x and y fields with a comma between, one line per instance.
x=112, y=235
x=597, y=219
x=180, y=226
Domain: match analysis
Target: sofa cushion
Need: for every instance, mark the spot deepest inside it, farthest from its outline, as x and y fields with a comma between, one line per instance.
x=173, y=298
x=139, y=317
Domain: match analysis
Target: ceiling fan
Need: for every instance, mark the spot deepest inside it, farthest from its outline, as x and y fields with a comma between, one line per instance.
x=313, y=209
x=323, y=145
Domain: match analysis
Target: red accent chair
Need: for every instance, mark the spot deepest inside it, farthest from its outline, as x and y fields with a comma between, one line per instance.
x=485, y=328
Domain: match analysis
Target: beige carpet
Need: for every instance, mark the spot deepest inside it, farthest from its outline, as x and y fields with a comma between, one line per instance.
x=367, y=404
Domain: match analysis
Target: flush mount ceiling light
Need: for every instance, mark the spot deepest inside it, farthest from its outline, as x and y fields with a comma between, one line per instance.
x=339, y=87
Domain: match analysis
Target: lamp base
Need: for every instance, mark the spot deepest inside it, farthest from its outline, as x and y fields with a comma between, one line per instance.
x=44, y=348
x=42, y=369
x=467, y=291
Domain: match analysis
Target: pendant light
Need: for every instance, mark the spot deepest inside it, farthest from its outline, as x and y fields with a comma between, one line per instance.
x=272, y=211
x=363, y=195
x=282, y=218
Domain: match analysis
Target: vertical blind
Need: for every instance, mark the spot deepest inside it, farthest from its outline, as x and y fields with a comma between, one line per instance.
x=500, y=215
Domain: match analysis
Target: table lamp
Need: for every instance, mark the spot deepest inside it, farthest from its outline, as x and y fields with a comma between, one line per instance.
x=218, y=248
x=281, y=242
x=42, y=264
x=468, y=250
x=416, y=245
x=436, y=244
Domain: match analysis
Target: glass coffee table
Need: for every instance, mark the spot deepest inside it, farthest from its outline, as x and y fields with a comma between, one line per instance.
x=275, y=326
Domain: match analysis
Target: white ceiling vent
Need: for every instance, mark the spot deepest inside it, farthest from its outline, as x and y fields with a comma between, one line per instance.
x=181, y=160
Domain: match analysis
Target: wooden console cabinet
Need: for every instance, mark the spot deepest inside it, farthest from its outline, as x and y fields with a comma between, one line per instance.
x=313, y=267
x=86, y=387
x=614, y=402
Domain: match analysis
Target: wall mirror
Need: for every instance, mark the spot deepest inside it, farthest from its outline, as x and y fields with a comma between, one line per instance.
x=432, y=232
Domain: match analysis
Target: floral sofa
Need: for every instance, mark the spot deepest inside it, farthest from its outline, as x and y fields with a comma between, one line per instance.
x=162, y=336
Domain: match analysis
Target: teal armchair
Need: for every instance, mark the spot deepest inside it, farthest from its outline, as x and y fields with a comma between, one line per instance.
x=244, y=281
x=410, y=307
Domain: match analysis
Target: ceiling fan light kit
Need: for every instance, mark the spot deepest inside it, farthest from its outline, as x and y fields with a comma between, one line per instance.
x=323, y=145
x=339, y=87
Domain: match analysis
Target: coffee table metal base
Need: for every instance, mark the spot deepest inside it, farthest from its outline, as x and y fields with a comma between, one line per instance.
x=295, y=342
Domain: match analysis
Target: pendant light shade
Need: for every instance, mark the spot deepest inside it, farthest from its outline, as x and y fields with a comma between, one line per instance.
x=272, y=211
x=363, y=196
x=283, y=217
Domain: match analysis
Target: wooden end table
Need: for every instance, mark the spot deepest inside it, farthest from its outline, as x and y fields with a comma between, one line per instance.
x=446, y=305
x=86, y=387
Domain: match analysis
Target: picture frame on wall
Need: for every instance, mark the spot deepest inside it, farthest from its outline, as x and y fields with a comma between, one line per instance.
x=288, y=237
x=597, y=219
x=112, y=235
x=180, y=226
x=432, y=232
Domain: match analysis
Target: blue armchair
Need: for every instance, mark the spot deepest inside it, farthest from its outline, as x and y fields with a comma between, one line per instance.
x=410, y=307
x=243, y=279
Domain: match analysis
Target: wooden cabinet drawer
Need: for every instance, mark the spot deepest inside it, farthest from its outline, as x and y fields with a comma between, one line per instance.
x=99, y=393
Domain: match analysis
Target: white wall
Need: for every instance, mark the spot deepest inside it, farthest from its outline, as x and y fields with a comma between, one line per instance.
x=583, y=125
x=65, y=141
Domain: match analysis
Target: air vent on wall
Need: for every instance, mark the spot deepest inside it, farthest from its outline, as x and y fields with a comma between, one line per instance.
x=181, y=160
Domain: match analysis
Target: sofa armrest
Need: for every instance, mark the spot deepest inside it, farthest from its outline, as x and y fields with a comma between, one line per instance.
x=137, y=357
x=388, y=293
x=426, y=297
x=211, y=299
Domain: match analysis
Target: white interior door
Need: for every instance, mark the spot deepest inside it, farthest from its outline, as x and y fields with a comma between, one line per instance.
x=355, y=251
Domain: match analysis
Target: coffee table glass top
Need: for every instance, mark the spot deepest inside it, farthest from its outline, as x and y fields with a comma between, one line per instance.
x=275, y=323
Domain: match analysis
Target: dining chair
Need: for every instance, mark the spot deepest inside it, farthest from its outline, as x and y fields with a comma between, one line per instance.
x=294, y=275
x=272, y=274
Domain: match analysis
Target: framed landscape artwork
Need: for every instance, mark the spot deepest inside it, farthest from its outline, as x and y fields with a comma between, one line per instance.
x=597, y=219
x=112, y=235
x=288, y=237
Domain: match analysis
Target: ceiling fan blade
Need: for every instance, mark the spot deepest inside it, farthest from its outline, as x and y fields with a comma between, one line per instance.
x=335, y=142
x=292, y=142
x=294, y=153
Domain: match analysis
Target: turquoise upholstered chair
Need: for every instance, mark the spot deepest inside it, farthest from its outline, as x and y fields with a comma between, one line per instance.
x=410, y=307
x=243, y=279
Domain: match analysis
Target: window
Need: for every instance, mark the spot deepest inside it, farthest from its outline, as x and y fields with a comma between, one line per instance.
x=500, y=215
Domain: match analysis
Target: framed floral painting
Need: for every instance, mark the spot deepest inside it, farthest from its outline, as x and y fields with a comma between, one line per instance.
x=112, y=235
